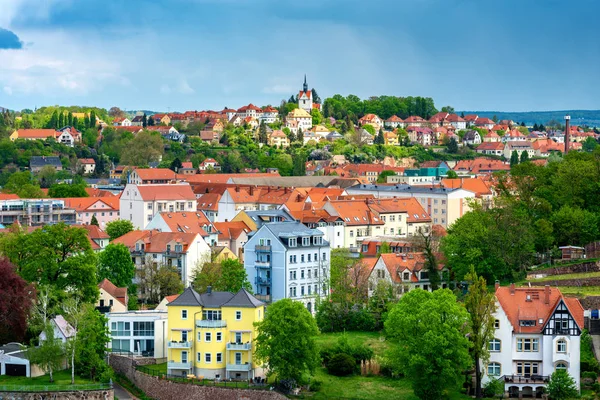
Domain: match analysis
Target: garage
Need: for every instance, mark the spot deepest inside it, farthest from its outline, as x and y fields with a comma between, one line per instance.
x=16, y=370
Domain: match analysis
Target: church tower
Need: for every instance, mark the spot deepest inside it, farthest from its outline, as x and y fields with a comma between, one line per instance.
x=305, y=100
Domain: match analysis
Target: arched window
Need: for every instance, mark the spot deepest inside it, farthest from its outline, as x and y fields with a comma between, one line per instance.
x=495, y=345
x=561, y=346
x=494, y=369
x=560, y=366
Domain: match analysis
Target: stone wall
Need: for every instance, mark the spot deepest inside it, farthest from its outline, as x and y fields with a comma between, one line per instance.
x=569, y=282
x=161, y=389
x=75, y=395
x=590, y=266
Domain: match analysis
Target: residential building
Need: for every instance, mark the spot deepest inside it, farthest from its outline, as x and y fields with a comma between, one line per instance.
x=15, y=362
x=120, y=121
x=365, y=137
x=98, y=238
x=288, y=260
x=139, y=203
x=391, y=138
x=36, y=163
x=405, y=272
x=233, y=235
x=86, y=165
x=184, y=251
x=492, y=137
x=146, y=176
x=35, y=212
x=105, y=209
x=514, y=135
x=279, y=139
x=394, y=122
x=209, y=164
x=519, y=147
x=269, y=115
x=373, y=120
x=401, y=217
x=359, y=221
x=255, y=219
x=472, y=137
x=443, y=205
x=456, y=121
x=212, y=335
x=42, y=134
x=112, y=298
x=298, y=119
x=415, y=120
x=537, y=332
x=484, y=123
x=63, y=331
x=480, y=166
x=138, y=120
x=186, y=222
x=491, y=148
x=305, y=99
x=141, y=333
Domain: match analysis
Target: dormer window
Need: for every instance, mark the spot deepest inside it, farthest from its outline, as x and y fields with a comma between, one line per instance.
x=178, y=248
x=306, y=241
x=527, y=322
x=318, y=240
x=292, y=242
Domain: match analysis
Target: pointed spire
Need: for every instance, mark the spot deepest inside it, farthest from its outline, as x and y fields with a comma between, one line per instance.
x=305, y=86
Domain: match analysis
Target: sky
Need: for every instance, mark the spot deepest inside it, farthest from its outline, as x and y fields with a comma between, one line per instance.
x=177, y=55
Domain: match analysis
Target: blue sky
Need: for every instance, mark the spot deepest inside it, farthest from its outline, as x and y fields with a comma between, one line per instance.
x=506, y=55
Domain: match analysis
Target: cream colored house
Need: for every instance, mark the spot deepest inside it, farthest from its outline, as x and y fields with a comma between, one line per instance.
x=112, y=298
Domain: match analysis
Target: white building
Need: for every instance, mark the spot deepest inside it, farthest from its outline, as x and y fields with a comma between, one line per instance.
x=305, y=100
x=288, y=260
x=537, y=332
x=63, y=331
x=139, y=203
x=298, y=119
x=140, y=332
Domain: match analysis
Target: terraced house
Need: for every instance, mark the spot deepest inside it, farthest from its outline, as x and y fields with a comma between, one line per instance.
x=211, y=335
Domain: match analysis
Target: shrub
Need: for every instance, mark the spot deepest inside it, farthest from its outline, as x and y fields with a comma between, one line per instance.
x=341, y=364
x=315, y=385
x=589, y=375
x=493, y=388
x=286, y=385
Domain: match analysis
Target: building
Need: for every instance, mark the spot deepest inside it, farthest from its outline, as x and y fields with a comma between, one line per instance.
x=279, y=139
x=394, y=122
x=233, y=235
x=105, y=209
x=519, y=147
x=15, y=361
x=186, y=222
x=36, y=163
x=212, y=335
x=36, y=212
x=146, y=176
x=209, y=164
x=373, y=120
x=143, y=332
x=64, y=137
x=121, y=121
x=491, y=148
x=472, y=137
x=184, y=251
x=305, y=99
x=86, y=165
x=97, y=237
x=288, y=260
x=139, y=203
x=63, y=331
x=298, y=119
x=138, y=120
x=443, y=205
x=112, y=298
x=537, y=331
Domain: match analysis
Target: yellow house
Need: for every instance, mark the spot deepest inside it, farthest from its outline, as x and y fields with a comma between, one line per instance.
x=278, y=138
x=211, y=335
x=391, y=138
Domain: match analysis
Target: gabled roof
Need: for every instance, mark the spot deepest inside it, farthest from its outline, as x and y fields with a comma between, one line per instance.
x=355, y=212
x=37, y=133
x=81, y=204
x=394, y=118
x=63, y=326
x=190, y=297
x=187, y=222
x=118, y=293
x=491, y=146
x=243, y=299
x=153, y=174
x=166, y=192
x=231, y=230
x=41, y=161
x=414, y=119
x=155, y=241
x=86, y=161
x=298, y=113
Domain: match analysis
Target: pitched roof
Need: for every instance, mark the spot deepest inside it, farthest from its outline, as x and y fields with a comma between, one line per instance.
x=155, y=241
x=166, y=192
x=116, y=292
x=153, y=174
x=190, y=297
x=535, y=303
x=81, y=204
x=41, y=161
x=63, y=326
x=409, y=205
x=394, y=118
x=298, y=113
x=475, y=185
x=397, y=263
x=243, y=299
x=36, y=133
x=187, y=222
x=86, y=161
x=355, y=212
x=231, y=230
x=413, y=119
x=491, y=146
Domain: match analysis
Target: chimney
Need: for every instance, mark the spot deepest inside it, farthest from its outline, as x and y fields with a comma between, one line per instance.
x=567, y=132
x=209, y=290
x=512, y=288
x=497, y=285
x=547, y=294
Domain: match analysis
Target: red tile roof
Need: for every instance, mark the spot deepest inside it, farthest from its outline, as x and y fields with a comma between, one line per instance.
x=155, y=174
x=86, y=161
x=231, y=230
x=82, y=204
x=415, y=212
x=8, y=196
x=118, y=293
x=187, y=222
x=490, y=146
x=166, y=192
x=155, y=241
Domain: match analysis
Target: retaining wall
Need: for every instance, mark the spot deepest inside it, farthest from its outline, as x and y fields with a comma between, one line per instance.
x=107, y=394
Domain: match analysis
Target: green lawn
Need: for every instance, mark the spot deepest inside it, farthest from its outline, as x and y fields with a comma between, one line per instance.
x=60, y=378
x=159, y=368
x=582, y=275
x=375, y=340
x=580, y=291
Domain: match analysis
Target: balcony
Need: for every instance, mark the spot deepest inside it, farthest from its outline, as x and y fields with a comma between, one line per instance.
x=103, y=309
x=262, y=264
x=263, y=297
x=239, y=346
x=262, y=248
x=525, y=379
x=171, y=253
x=179, y=345
x=179, y=365
x=209, y=323
x=263, y=281
x=239, y=367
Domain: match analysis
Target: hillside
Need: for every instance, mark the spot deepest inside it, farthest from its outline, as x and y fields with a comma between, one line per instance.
x=578, y=117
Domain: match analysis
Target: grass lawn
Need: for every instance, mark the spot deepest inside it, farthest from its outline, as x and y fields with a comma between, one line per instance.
x=159, y=368
x=62, y=381
x=580, y=291
x=582, y=275
x=374, y=340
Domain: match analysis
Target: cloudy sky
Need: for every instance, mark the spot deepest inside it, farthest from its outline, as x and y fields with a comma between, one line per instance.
x=507, y=55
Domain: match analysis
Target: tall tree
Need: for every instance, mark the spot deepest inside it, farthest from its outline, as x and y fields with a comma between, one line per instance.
x=144, y=148
x=481, y=305
x=524, y=156
x=144, y=120
x=428, y=242
x=300, y=136
x=430, y=329
x=285, y=342
x=262, y=133
x=94, y=221
x=562, y=386
x=93, y=336
x=92, y=119
x=49, y=354
x=116, y=229
x=234, y=276
x=452, y=146
x=17, y=302
x=74, y=314
x=151, y=121
x=70, y=119
x=176, y=165
x=61, y=119
x=514, y=158
x=114, y=264
x=63, y=190
x=379, y=139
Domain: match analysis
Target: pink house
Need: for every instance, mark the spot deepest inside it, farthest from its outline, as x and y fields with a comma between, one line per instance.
x=105, y=209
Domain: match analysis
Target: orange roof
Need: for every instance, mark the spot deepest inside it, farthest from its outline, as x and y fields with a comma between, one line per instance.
x=8, y=196
x=153, y=174
x=166, y=192
x=321, y=194
x=37, y=133
x=223, y=178
x=397, y=263
x=187, y=164
x=93, y=192
x=415, y=212
x=533, y=304
x=187, y=222
x=171, y=298
x=474, y=185
x=118, y=293
x=355, y=212
x=155, y=241
x=81, y=204
x=231, y=230
x=209, y=202
x=94, y=232
x=394, y=118
x=86, y=161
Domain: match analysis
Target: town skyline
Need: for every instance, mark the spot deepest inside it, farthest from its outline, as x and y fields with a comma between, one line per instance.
x=516, y=59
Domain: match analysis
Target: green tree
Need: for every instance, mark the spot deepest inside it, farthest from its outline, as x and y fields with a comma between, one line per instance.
x=24, y=185
x=151, y=121
x=448, y=109
x=379, y=139
x=285, y=342
x=574, y=226
x=589, y=144
x=114, y=264
x=144, y=120
x=61, y=119
x=74, y=314
x=49, y=354
x=94, y=221
x=233, y=277
x=116, y=229
x=562, y=386
x=481, y=305
x=428, y=242
x=369, y=128
x=143, y=149
x=317, y=118
x=382, y=178
x=452, y=146
x=430, y=329
x=206, y=275
x=62, y=190
x=262, y=133
x=300, y=136
x=47, y=176
x=514, y=158
x=451, y=174
x=176, y=165
x=524, y=156
x=93, y=336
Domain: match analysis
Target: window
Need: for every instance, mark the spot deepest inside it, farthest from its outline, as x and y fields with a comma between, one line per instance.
x=351, y=233
x=149, y=206
x=219, y=358
x=527, y=322
x=143, y=328
x=199, y=336
x=121, y=328
x=207, y=358
x=527, y=345
x=292, y=242
x=308, y=257
x=497, y=324
x=183, y=314
x=207, y=336
x=561, y=346
x=301, y=290
x=315, y=273
x=238, y=315
x=309, y=290
x=305, y=241
x=308, y=272
x=212, y=315
x=527, y=368
x=324, y=257
x=302, y=258
x=406, y=276
x=219, y=336
x=291, y=258
x=561, y=366
x=494, y=345
x=199, y=357
x=494, y=369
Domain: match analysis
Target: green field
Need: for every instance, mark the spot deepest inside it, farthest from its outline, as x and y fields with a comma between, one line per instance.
x=62, y=382
x=582, y=275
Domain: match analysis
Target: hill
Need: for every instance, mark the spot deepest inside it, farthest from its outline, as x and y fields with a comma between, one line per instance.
x=578, y=117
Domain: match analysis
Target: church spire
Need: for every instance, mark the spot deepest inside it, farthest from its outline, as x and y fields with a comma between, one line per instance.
x=305, y=86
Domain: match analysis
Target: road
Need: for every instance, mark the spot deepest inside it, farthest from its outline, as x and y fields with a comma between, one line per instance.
x=121, y=393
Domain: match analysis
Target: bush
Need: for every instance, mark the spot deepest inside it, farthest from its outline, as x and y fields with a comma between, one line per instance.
x=315, y=385
x=588, y=360
x=341, y=364
x=589, y=375
x=286, y=385
x=493, y=388
x=332, y=317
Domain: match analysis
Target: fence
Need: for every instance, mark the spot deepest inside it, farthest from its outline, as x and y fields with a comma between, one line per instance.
x=55, y=388
x=258, y=384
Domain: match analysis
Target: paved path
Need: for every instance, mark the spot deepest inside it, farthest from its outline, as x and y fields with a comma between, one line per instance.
x=121, y=393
